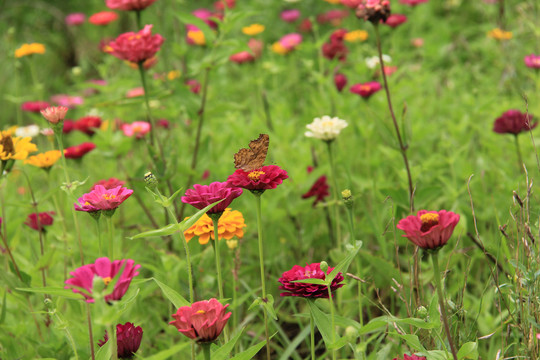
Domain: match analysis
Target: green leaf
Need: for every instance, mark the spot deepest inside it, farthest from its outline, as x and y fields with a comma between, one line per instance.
x=312, y=281
x=344, y=264
x=187, y=223
x=104, y=352
x=338, y=344
x=174, y=297
x=173, y=196
x=371, y=326
x=165, y=354
x=249, y=353
x=412, y=341
x=164, y=231
x=322, y=321
x=4, y=307
x=45, y=260
x=222, y=353
x=468, y=351
x=53, y=290
x=269, y=306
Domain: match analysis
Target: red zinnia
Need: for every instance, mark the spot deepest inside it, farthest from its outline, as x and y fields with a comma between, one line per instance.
x=87, y=124
x=311, y=271
x=45, y=219
x=106, y=199
x=340, y=81
x=367, y=89
x=78, y=151
x=203, y=195
x=136, y=47
x=264, y=178
x=429, y=229
x=128, y=340
x=129, y=4
x=513, y=122
x=34, y=106
x=411, y=357
x=319, y=190
x=395, y=20
x=242, y=57
x=103, y=18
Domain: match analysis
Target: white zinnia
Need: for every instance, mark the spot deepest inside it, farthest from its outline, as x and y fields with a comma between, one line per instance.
x=326, y=128
x=373, y=62
x=27, y=131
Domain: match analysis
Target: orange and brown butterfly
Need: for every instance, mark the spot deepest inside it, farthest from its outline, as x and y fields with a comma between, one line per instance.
x=254, y=157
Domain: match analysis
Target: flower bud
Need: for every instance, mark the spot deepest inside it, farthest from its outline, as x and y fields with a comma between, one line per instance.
x=150, y=180
x=421, y=312
x=324, y=266
x=347, y=197
x=351, y=334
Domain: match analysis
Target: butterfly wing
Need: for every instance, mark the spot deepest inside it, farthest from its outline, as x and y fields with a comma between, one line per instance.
x=254, y=157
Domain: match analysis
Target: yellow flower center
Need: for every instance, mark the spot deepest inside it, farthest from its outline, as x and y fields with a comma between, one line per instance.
x=7, y=145
x=428, y=220
x=201, y=312
x=255, y=175
x=108, y=196
x=107, y=280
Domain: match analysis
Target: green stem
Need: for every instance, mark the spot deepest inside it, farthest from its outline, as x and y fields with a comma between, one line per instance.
x=138, y=17
x=333, y=320
x=90, y=334
x=206, y=351
x=312, y=325
x=147, y=103
x=518, y=151
x=112, y=339
x=261, y=263
x=99, y=237
x=111, y=237
x=215, y=221
x=336, y=194
x=437, y=278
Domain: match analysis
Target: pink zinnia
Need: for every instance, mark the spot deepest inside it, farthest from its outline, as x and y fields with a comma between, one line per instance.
x=203, y=321
x=311, y=271
x=264, y=178
x=395, y=20
x=205, y=15
x=54, y=114
x=128, y=340
x=82, y=205
x=514, y=122
x=34, y=106
x=367, y=89
x=290, y=15
x=106, y=199
x=194, y=85
x=110, y=183
x=78, y=151
x=333, y=17
x=203, y=195
x=82, y=281
x=290, y=41
x=429, y=229
x=242, y=57
x=137, y=129
x=103, y=18
x=39, y=221
x=412, y=2
x=352, y=4
x=319, y=190
x=67, y=100
x=136, y=47
x=532, y=61
x=128, y=5
x=135, y=92
x=75, y=19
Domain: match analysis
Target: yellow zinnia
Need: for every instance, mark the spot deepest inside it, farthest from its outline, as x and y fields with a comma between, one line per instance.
x=173, y=74
x=29, y=49
x=356, y=35
x=44, y=160
x=279, y=49
x=197, y=36
x=253, y=29
x=15, y=148
x=230, y=224
x=499, y=34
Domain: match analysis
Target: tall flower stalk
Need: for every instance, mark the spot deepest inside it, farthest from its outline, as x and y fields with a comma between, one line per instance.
x=215, y=220
x=336, y=193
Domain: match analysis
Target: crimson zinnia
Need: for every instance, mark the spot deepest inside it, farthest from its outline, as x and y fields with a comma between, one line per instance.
x=319, y=190
x=128, y=5
x=429, y=229
x=136, y=47
x=263, y=178
x=128, y=340
x=39, y=221
x=513, y=122
x=311, y=271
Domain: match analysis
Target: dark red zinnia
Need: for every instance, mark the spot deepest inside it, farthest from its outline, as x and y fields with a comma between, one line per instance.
x=514, y=122
x=340, y=81
x=78, y=151
x=87, y=124
x=39, y=221
x=311, y=271
x=128, y=340
x=319, y=190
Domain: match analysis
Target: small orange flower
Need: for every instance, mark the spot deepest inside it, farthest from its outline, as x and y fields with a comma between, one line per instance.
x=44, y=160
x=499, y=34
x=30, y=49
x=197, y=36
x=279, y=49
x=356, y=36
x=253, y=29
x=230, y=224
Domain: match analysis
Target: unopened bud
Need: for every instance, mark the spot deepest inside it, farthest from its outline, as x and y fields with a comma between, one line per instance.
x=351, y=334
x=150, y=180
x=421, y=312
x=347, y=198
x=324, y=266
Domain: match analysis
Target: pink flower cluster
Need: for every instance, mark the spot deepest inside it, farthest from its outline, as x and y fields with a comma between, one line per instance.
x=264, y=178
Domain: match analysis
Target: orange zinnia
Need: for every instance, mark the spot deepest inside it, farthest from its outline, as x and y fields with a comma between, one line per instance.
x=230, y=224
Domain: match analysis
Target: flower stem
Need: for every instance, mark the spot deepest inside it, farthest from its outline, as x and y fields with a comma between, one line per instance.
x=138, y=18
x=114, y=345
x=437, y=278
x=147, y=103
x=206, y=351
x=402, y=147
x=111, y=238
x=261, y=263
x=215, y=220
x=90, y=334
x=336, y=194
x=99, y=237
x=333, y=319
x=312, y=325
x=518, y=151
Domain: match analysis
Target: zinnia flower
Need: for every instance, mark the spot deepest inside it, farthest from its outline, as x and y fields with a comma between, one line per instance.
x=128, y=5
x=44, y=160
x=367, y=89
x=136, y=47
x=203, y=195
x=356, y=36
x=106, y=199
x=290, y=41
x=429, y=229
x=30, y=49
x=103, y=18
x=15, y=148
x=203, y=321
x=54, y=114
x=373, y=62
x=334, y=17
x=311, y=271
x=110, y=183
x=34, y=106
x=319, y=190
x=253, y=29
x=499, y=34
x=78, y=151
x=412, y=2
x=395, y=20
x=27, y=131
x=373, y=11
x=340, y=80
x=75, y=19
x=532, y=61
x=137, y=129
x=514, y=122
x=264, y=178
x=230, y=224
x=325, y=128
x=82, y=281
x=39, y=221
x=128, y=340
x=242, y=57
x=290, y=15
x=87, y=124
x=67, y=100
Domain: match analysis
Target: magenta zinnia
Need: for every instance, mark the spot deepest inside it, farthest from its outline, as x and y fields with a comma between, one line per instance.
x=203, y=321
x=128, y=340
x=429, y=229
x=264, y=178
x=82, y=281
x=311, y=271
x=105, y=199
x=203, y=195
x=514, y=122
x=136, y=47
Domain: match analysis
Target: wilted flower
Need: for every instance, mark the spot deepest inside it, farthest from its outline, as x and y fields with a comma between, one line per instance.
x=127, y=5
x=340, y=81
x=203, y=195
x=203, y=321
x=30, y=49
x=263, y=178
x=395, y=20
x=373, y=11
x=326, y=128
x=82, y=281
x=311, y=271
x=103, y=18
x=319, y=190
x=499, y=34
x=34, y=106
x=128, y=340
x=110, y=183
x=44, y=160
x=54, y=114
x=106, y=199
x=230, y=224
x=136, y=47
x=253, y=29
x=27, y=131
x=137, y=129
x=15, y=148
x=290, y=15
x=75, y=19
x=78, y=151
x=514, y=122
x=367, y=89
x=412, y=2
x=429, y=229
x=532, y=61
x=39, y=221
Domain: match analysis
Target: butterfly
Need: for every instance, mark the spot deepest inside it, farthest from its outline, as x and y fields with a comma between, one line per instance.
x=252, y=158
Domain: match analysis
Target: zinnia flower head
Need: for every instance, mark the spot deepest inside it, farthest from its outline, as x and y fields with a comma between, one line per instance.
x=106, y=199
x=136, y=47
x=499, y=34
x=514, y=122
x=230, y=224
x=82, y=280
x=263, y=178
x=311, y=271
x=34, y=106
x=429, y=229
x=68, y=101
x=290, y=15
x=253, y=29
x=128, y=340
x=78, y=151
x=290, y=41
x=395, y=20
x=110, y=183
x=356, y=36
x=75, y=19
x=54, y=114
x=137, y=129
x=220, y=5
x=365, y=90
x=87, y=124
x=532, y=61
x=128, y=5
x=203, y=195
x=373, y=11
x=27, y=131
x=39, y=221
x=334, y=17
x=30, y=49
x=203, y=321
x=103, y=18
x=413, y=2
x=326, y=128
x=44, y=160
x=15, y=148
x=319, y=190
x=373, y=62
